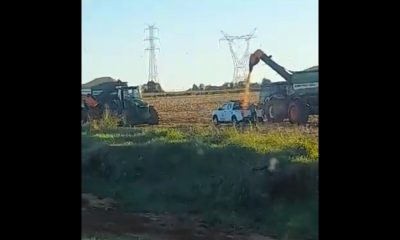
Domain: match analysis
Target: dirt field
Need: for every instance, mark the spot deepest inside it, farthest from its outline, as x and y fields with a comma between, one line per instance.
x=107, y=224
x=192, y=109
x=195, y=109
x=100, y=219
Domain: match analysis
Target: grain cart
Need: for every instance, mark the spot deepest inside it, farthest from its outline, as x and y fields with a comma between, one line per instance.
x=295, y=98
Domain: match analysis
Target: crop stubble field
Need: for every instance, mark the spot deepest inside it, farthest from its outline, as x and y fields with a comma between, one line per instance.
x=195, y=109
x=191, y=109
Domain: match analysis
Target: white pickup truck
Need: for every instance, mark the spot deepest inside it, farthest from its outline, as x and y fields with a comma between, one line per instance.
x=231, y=112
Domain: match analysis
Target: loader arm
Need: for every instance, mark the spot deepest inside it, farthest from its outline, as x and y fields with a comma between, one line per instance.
x=260, y=55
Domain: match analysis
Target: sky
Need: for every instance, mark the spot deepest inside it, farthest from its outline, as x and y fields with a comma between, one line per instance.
x=113, y=33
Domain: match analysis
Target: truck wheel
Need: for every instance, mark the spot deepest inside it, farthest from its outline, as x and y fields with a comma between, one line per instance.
x=298, y=112
x=234, y=120
x=215, y=120
x=274, y=113
x=154, y=118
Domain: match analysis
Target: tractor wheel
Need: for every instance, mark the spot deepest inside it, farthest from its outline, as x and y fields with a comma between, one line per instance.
x=126, y=119
x=154, y=118
x=298, y=112
x=274, y=112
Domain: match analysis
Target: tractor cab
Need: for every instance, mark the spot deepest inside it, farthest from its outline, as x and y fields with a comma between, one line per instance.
x=129, y=92
x=118, y=95
x=131, y=96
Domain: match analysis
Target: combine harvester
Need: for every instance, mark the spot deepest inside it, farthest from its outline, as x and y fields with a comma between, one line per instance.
x=296, y=98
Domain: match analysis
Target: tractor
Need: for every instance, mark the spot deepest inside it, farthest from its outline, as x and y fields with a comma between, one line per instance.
x=122, y=101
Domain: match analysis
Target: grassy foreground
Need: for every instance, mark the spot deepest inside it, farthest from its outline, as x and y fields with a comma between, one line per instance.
x=261, y=179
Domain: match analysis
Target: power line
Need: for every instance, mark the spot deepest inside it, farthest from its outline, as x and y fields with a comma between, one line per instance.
x=240, y=65
x=153, y=73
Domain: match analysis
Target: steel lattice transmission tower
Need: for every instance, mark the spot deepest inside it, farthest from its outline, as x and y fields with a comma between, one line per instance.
x=240, y=65
x=153, y=74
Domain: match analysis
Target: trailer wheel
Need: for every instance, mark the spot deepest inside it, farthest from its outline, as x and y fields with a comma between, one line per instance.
x=298, y=112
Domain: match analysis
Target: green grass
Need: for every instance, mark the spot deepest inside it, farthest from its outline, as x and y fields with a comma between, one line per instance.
x=267, y=142
x=106, y=122
x=209, y=171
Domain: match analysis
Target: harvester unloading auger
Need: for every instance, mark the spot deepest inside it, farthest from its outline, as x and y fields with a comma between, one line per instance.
x=296, y=98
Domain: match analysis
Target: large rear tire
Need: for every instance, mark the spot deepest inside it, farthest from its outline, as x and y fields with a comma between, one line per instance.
x=154, y=118
x=126, y=120
x=130, y=117
x=274, y=111
x=298, y=112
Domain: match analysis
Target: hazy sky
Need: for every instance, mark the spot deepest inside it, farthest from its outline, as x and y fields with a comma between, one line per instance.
x=189, y=31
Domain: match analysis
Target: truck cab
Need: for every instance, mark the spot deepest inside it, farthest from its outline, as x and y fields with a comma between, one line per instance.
x=227, y=113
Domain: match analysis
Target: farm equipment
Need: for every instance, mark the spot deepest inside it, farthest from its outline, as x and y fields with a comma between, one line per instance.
x=295, y=98
x=121, y=101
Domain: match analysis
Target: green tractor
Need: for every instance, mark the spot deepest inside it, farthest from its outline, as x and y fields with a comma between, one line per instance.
x=121, y=101
x=296, y=98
